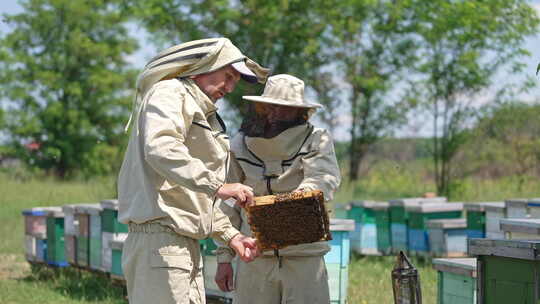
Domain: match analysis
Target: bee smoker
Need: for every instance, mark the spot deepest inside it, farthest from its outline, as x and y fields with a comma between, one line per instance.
x=406, y=282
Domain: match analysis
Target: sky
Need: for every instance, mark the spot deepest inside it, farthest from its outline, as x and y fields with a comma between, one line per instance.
x=418, y=126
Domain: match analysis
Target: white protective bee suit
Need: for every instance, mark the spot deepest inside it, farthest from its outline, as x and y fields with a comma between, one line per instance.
x=174, y=164
x=299, y=158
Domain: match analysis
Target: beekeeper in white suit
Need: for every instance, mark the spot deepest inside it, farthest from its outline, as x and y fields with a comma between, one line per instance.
x=277, y=151
x=174, y=170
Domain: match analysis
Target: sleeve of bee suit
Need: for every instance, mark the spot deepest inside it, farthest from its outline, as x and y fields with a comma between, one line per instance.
x=167, y=118
x=231, y=210
x=321, y=170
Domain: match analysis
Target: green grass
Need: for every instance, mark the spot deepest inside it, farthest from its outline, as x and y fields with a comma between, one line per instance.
x=369, y=277
x=370, y=280
x=19, y=283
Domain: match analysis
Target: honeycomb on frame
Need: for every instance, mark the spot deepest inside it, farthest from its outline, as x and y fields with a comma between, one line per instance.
x=278, y=221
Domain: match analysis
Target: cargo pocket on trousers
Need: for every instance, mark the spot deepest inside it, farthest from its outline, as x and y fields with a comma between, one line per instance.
x=175, y=275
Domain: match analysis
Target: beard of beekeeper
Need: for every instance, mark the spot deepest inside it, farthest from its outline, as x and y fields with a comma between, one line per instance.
x=278, y=151
x=174, y=170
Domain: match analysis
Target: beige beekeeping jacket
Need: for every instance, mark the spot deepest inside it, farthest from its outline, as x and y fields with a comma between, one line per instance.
x=301, y=157
x=175, y=163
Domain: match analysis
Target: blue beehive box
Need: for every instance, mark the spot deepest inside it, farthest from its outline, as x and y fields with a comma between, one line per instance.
x=419, y=215
x=337, y=259
x=399, y=220
x=364, y=236
x=448, y=237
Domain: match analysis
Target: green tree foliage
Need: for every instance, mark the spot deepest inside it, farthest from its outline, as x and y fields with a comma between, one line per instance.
x=63, y=72
x=463, y=45
x=515, y=127
x=510, y=140
x=283, y=35
x=309, y=39
x=371, y=44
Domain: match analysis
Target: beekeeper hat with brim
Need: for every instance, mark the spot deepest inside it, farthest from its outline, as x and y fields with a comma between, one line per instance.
x=195, y=58
x=285, y=90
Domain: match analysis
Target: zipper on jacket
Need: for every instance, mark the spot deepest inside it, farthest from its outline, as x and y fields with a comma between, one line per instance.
x=269, y=185
x=227, y=160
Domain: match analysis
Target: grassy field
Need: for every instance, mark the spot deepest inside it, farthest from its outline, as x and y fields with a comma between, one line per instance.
x=369, y=277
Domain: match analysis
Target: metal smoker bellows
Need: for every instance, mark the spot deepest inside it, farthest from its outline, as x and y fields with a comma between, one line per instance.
x=406, y=282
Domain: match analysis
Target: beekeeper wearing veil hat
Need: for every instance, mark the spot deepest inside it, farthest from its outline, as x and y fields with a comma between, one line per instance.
x=278, y=151
x=174, y=170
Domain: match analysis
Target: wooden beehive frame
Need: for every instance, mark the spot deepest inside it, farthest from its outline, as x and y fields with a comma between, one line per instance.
x=278, y=221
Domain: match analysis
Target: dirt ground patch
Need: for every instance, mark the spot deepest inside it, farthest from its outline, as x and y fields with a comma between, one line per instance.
x=13, y=267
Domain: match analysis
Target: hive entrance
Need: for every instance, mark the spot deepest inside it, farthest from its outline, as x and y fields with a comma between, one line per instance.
x=288, y=219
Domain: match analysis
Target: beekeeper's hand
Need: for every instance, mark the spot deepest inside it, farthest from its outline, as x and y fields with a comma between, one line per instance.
x=224, y=277
x=245, y=247
x=241, y=193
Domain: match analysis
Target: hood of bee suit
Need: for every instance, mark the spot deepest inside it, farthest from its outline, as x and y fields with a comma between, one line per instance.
x=194, y=58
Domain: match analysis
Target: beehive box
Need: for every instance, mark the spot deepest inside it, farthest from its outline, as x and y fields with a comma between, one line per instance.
x=41, y=249
x=35, y=229
x=82, y=234
x=516, y=208
x=399, y=220
x=109, y=217
x=55, y=238
x=419, y=215
x=106, y=250
x=116, y=254
x=94, y=257
x=340, y=210
x=494, y=213
x=456, y=280
x=35, y=222
x=30, y=248
x=507, y=270
x=277, y=221
x=364, y=237
x=476, y=218
x=521, y=229
x=337, y=259
x=382, y=221
x=70, y=223
x=112, y=230
x=534, y=208
x=71, y=227
x=70, y=245
x=448, y=237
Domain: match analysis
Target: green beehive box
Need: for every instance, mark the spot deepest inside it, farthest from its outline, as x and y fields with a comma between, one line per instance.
x=476, y=220
x=340, y=210
x=116, y=267
x=398, y=211
x=208, y=246
x=55, y=237
x=456, y=280
x=83, y=244
x=421, y=214
x=399, y=220
x=94, y=260
x=508, y=270
x=109, y=217
x=55, y=240
x=382, y=220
